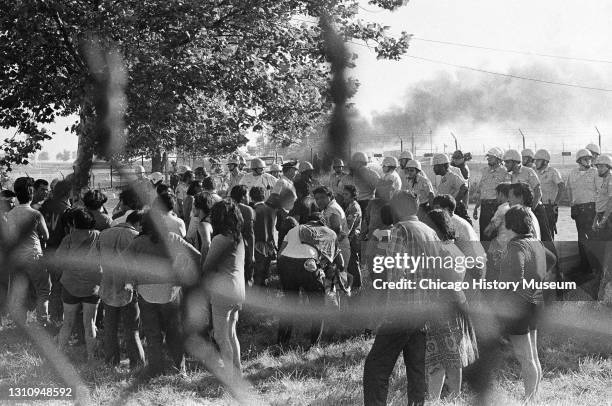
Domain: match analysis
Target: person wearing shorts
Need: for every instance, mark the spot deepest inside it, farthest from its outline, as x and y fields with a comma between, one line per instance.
x=80, y=278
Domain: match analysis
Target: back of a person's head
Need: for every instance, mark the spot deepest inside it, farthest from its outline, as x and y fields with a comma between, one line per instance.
x=257, y=194
x=24, y=189
x=239, y=193
x=446, y=202
x=82, y=219
x=518, y=219
x=62, y=190
x=226, y=219
x=40, y=182
x=301, y=188
x=205, y=202
x=135, y=217
x=153, y=227
x=503, y=188
x=162, y=188
x=442, y=222
x=194, y=188
x=524, y=191
x=94, y=199
x=129, y=197
x=207, y=183
x=386, y=215
x=164, y=202
x=403, y=204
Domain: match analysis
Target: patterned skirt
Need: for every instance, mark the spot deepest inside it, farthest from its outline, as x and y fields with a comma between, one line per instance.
x=451, y=344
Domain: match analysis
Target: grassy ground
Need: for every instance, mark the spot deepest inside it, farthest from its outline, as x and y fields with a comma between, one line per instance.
x=576, y=361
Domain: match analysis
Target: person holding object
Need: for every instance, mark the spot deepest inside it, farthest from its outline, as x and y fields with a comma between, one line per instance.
x=601, y=224
x=486, y=196
x=552, y=188
x=581, y=191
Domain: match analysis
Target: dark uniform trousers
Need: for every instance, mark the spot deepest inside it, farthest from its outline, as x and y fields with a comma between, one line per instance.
x=487, y=211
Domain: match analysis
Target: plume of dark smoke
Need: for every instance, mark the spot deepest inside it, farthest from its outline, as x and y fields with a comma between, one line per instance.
x=476, y=99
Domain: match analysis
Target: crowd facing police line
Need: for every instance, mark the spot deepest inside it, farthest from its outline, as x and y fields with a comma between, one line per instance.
x=211, y=237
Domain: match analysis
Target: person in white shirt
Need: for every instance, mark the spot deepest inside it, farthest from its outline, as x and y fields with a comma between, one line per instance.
x=164, y=204
x=257, y=177
x=390, y=176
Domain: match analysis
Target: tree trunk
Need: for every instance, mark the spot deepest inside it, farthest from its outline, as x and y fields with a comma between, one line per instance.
x=156, y=161
x=85, y=151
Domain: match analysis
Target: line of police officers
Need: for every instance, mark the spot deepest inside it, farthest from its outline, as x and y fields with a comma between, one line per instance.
x=587, y=186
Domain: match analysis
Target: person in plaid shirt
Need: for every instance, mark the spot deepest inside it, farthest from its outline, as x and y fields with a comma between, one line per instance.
x=407, y=310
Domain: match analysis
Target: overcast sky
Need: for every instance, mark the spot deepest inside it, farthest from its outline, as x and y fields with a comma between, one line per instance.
x=559, y=115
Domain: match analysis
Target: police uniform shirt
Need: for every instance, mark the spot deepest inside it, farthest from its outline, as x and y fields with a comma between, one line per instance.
x=603, y=194
x=450, y=184
x=334, y=182
x=489, y=180
x=365, y=182
x=393, y=178
x=283, y=182
x=526, y=175
x=421, y=186
x=265, y=180
x=549, y=180
x=233, y=179
x=582, y=185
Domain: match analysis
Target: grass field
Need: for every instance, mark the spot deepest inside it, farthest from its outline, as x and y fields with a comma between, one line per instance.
x=575, y=358
x=575, y=347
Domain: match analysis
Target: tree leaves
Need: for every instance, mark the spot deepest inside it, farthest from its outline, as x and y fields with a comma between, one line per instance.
x=201, y=74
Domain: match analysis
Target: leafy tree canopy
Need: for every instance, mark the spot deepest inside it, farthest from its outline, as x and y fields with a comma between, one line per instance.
x=200, y=74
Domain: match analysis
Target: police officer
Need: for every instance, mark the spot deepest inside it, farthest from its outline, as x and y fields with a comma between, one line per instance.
x=285, y=181
x=419, y=185
x=364, y=178
x=275, y=170
x=234, y=174
x=601, y=225
x=257, y=177
x=582, y=190
x=519, y=173
x=306, y=174
x=595, y=151
x=552, y=186
x=390, y=175
x=486, y=196
x=334, y=180
x=216, y=173
x=528, y=157
x=451, y=184
x=603, y=201
x=459, y=161
x=405, y=156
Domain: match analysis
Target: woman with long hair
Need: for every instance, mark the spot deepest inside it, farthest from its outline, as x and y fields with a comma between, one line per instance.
x=80, y=278
x=451, y=341
x=223, y=273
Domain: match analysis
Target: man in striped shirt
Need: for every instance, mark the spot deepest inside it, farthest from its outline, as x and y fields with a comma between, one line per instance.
x=407, y=310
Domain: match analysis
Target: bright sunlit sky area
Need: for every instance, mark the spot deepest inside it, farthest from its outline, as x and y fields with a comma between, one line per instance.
x=482, y=109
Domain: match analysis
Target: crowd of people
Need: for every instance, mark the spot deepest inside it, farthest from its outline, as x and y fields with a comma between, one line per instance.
x=177, y=258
